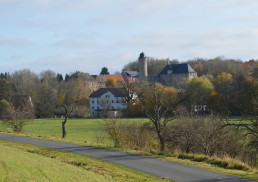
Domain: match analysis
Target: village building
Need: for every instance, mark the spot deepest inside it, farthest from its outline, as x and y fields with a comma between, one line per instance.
x=130, y=76
x=107, y=101
x=175, y=75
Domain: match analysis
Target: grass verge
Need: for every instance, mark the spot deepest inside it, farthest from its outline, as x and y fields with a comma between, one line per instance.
x=23, y=162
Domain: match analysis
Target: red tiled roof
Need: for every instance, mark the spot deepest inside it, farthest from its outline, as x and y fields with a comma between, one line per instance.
x=118, y=78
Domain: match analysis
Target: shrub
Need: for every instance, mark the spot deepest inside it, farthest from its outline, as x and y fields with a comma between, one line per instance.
x=130, y=135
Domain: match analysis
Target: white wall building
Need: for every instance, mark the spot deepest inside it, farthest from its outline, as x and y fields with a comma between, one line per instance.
x=107, y=101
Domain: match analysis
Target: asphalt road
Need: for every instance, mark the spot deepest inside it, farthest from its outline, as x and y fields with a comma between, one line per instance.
x=156, y=167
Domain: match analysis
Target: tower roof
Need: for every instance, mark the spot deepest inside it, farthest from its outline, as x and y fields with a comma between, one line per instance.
x=177, y=68
x=142, y=55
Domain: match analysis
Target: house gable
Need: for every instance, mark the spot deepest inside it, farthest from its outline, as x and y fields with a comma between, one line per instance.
x=107, y=99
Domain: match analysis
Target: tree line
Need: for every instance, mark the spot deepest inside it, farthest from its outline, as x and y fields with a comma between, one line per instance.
x=227, y=86
x=47, y=91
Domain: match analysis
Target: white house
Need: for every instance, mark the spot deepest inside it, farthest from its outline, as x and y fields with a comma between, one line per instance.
x=107, y=101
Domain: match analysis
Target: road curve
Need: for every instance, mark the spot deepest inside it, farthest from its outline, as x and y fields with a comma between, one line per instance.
x=156, y=167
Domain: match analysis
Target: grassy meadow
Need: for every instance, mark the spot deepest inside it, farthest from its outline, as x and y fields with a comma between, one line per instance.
x=83, y=131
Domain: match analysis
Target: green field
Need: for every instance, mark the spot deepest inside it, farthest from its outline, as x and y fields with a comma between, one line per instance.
x=84, y=131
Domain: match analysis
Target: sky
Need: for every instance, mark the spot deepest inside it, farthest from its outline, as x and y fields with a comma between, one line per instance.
x=85, y=35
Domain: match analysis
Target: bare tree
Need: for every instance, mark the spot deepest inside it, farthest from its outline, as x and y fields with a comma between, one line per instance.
x=71, y=96
x=20, y=111
x=24, y=81
x=159, y=104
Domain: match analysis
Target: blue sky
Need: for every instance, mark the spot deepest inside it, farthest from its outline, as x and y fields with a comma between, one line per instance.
x=84, y=35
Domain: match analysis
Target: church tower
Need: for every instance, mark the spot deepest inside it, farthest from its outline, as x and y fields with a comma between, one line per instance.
x=143, y=72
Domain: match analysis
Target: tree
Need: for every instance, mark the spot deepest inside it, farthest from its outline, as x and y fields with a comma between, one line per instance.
x=4, y=76
x=71, y=96
x=223, y=87
x=199, y=90
x=67, y=111
x=104, y=71
x=24, y=82
x=159, y=105
x=59, y=77
x=17, y=112
x=111, y=83
x=133, y=94
x=46, y=101
x=48, y=77
x=251, y=130
x=5, y=89
x=5, y=108
x=67, y=77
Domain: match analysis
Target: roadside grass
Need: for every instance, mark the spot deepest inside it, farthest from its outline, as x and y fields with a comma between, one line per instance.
x=233, y=167
x=23, y=162
x=226, y=162
x=216, y=164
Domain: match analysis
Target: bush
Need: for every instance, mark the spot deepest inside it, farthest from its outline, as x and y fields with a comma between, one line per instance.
x=130, y=135
x=206, y=135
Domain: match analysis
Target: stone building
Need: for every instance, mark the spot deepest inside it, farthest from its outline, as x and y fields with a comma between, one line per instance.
x=130, y=76
x=175, y=75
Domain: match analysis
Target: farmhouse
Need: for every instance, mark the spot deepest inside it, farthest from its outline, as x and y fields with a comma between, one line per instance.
x=107, y=101
x=130, y=76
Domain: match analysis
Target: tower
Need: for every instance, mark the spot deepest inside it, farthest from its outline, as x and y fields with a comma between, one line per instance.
x=143, y=72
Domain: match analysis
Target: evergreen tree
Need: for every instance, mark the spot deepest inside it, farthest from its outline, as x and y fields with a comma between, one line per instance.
x=104, y=71
x=4, y=89
x=67, y=77
x=59, y=77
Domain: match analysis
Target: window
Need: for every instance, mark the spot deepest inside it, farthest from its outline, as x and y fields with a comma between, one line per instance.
x=93, y=107
x=92, y=101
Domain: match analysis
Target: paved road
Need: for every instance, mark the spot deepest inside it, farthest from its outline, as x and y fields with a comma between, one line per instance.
x=156, y=167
